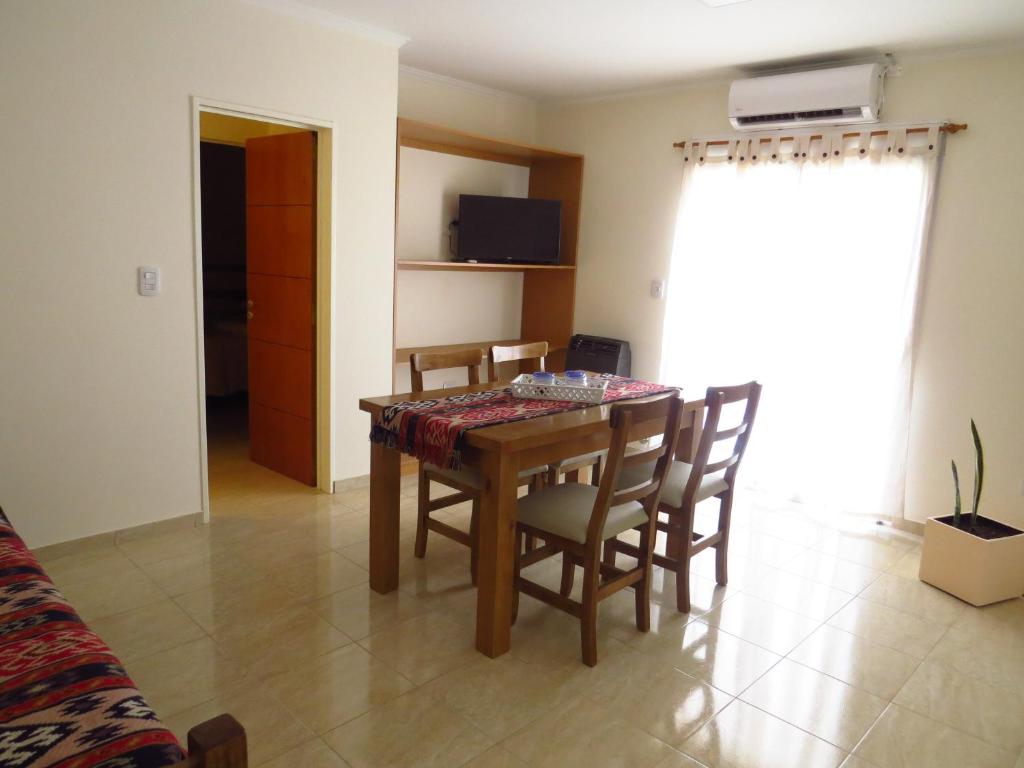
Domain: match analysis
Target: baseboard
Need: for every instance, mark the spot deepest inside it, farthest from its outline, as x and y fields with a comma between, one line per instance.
x=112, y=538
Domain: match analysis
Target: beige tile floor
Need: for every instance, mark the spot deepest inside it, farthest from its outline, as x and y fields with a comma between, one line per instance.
x=824, y=650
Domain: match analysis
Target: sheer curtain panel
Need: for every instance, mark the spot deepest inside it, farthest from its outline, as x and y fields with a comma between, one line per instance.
x=797, y=262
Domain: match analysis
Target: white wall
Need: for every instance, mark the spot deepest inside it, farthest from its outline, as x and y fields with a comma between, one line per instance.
x=468, y=107
x=970, y=360
x=450, y=307
x=98, y=416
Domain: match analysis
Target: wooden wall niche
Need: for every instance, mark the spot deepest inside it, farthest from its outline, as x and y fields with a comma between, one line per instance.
x=548, y=290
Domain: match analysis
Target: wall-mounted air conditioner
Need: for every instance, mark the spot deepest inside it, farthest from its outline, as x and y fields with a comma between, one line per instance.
x=816, y=97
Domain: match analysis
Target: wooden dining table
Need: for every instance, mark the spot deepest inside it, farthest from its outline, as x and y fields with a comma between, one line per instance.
x=499, y=452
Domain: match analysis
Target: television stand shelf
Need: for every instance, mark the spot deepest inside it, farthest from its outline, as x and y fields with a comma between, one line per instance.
x=464, y=266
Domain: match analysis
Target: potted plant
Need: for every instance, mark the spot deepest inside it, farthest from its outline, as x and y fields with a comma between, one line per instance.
x=975, y=558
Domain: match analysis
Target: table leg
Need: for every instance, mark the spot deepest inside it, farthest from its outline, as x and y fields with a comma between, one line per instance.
x=385, y=490
x=495, y=563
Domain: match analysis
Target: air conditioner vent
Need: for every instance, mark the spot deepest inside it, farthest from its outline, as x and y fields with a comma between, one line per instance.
x=806, y=116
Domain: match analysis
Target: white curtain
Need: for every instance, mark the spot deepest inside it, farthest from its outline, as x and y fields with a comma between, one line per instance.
x=801, y=271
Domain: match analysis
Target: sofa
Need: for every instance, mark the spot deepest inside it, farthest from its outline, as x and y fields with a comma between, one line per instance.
x=66, y=700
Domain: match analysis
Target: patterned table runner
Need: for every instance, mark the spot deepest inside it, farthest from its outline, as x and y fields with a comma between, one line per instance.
x=435, y=430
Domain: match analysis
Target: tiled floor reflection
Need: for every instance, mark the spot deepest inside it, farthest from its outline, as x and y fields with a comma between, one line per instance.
x=824, y=650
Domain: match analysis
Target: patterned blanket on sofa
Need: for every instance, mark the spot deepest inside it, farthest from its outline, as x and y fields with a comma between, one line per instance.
x=65, y=699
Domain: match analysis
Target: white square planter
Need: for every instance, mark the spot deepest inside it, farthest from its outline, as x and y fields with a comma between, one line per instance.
x=979, y=571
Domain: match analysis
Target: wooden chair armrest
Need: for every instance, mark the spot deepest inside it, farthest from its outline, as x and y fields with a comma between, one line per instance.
x=217, y=743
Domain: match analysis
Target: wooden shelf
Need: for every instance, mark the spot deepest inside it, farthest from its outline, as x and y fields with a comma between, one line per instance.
x=437, y=138
x=463, y=266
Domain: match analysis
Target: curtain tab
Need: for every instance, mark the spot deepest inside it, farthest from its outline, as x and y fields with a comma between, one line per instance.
x=864, y=144
x=896, y=142
x=774, y=151
x=800, y=148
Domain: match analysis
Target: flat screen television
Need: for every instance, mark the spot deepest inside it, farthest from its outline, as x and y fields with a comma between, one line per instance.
x=514, y=230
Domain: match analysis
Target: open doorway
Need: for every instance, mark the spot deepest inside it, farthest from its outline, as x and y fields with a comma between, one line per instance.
x=260, y=284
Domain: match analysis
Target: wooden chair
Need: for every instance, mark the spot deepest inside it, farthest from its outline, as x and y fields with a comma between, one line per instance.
x=692, y=478
x=467, y=482
x=537, y=351
x=575, y=520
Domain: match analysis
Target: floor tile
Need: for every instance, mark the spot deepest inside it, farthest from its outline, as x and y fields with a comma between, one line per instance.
x=359, y=611
x=679, y=760
x=714, y=656
x=585, y=734
x=270, y=730
x=854, y=660
x=309, y=754
x=320, y=576
x=986, y=643
x=186, y=676
x=147, y=630
x=96, y=597
x=821, y=705
x=654, y=696
x=831, y=571
x=285, y=640
x=992, y=714
x=808, y=598
x=230, y=608
x=181, y=574
x=424, y=647
x=499, y=696
x=742, y=736
x=760, y=622
x=914, y=597
x=337, y=687
x=496, y=757
x=889, y=627
x=905, y=739
x=412, y=730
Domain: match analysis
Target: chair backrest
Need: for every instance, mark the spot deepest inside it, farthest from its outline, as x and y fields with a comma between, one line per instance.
x=714, y=401
x=537, y=350
x=470, y=359
x=666, y=409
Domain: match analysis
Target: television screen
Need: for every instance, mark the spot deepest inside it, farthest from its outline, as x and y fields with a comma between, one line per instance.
x=509, y=229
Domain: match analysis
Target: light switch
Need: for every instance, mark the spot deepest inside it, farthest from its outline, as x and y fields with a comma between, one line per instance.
x=657, y=289
x=149, y=281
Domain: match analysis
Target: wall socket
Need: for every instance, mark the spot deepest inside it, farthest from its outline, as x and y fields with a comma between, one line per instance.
x=657, y=289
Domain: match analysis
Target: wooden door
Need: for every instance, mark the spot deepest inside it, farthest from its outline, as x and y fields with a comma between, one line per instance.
x=280, y=192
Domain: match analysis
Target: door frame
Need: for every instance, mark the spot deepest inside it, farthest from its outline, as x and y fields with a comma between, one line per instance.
x=324, y=356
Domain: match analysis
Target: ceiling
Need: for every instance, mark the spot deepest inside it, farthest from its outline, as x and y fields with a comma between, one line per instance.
x=565, y=49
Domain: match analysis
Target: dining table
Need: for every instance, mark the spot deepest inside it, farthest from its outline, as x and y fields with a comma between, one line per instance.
x=498, y=452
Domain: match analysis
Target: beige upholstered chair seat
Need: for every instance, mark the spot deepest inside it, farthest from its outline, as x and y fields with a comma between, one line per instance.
x=675, y=483
x=565, y=511
x=473, y=478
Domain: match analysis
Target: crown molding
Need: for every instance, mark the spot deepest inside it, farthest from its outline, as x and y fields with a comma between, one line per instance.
x=465, y=85
x=324, y=18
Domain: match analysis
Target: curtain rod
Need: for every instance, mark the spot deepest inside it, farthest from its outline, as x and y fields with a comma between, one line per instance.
x=944, y=128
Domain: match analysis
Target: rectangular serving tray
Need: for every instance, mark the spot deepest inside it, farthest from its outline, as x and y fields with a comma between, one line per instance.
x=593, y=392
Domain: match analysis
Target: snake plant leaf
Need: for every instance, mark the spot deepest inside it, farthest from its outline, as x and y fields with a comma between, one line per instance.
x=957, y=505
x=979, y=472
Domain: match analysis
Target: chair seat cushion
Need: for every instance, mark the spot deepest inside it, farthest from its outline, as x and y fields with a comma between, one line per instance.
x=675, y=483
x=471, y=477
x=565, y=511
